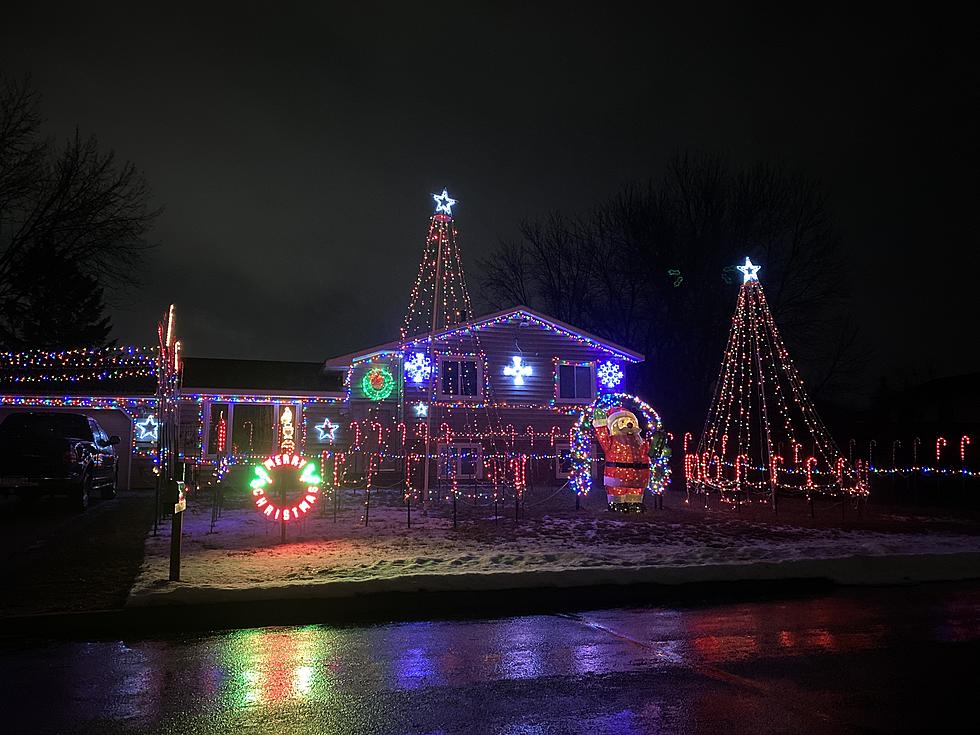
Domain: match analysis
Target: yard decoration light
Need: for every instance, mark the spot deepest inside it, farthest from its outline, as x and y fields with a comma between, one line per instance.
x=148, y=429
x=418, y=368
x=377, y=383
x=610, y=374
x=421, y=410
x=517, y=370
x=326, y=431
x=580, y=475
x=760, y=408
x=275, y=472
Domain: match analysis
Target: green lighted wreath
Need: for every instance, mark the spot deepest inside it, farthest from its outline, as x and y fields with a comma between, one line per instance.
x=377, y=383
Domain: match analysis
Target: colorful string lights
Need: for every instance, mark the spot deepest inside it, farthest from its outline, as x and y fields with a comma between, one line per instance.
x=761, y=411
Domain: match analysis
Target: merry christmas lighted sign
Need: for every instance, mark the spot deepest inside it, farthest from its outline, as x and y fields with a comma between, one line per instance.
x=286, y=486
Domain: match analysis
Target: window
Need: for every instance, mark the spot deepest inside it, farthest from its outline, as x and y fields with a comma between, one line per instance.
x=459, y=377
x=464, y=459
x=253, y=429
x=576, y=382
x=563, y=459
x=218, y=411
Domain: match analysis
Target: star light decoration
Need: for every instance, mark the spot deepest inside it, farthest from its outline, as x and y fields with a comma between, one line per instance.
x=610, y=374
x=444, y=203
x=148, y=429
x=518, y=370
x=419, y=368
x=749, y=271
x=421, y=410
x=327, y=431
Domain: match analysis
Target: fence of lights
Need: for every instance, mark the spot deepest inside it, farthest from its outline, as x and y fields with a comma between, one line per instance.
x=378, y=383
x=273, y=473
x=610, y=375
x=418, y=368
x=517, y=370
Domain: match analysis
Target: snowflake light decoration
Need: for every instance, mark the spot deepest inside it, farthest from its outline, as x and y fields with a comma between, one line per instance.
x=419, y=368
x=610, y=374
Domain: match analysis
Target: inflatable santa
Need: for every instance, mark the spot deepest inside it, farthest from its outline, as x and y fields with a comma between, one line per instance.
x=627, y=471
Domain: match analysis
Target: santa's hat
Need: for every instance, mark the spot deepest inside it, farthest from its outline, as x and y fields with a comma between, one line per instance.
x=618, y=413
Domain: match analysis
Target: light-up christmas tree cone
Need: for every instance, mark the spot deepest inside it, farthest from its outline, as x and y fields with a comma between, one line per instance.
x=763, y=434
x=439, y=298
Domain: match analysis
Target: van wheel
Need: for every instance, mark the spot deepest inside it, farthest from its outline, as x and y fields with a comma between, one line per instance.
x=109, y=491
x=79, y=497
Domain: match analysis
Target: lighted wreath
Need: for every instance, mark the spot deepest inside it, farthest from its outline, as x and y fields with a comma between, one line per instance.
x=284, y=468
x=377, y=383
x=580, y=474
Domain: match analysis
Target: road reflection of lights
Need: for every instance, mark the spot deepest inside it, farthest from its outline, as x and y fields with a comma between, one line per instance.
x=274, y=666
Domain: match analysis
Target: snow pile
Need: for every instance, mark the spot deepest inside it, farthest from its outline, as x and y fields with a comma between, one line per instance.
x=243, y=559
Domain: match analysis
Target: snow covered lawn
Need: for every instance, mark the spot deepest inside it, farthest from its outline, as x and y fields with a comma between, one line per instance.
x=243, y=559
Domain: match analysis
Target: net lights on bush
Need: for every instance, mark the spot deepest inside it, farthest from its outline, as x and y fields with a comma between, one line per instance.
x=418, y=369
x=610, y=374
x=279, y=469
x=377, y=383
x=580, y=473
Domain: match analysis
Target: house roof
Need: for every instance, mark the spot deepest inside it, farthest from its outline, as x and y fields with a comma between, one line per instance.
x=518, y=312
x=259, y=376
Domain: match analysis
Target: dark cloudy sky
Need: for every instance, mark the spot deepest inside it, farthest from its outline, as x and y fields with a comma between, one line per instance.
x=294, y=147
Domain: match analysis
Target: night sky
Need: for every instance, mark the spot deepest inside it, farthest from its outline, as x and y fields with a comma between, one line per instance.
x=294, y=148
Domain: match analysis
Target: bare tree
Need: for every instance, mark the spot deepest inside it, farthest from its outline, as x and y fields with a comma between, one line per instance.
x=73, y=204
x=654, y=269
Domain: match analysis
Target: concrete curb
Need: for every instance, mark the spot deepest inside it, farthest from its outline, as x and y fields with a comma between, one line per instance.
x=853, y=570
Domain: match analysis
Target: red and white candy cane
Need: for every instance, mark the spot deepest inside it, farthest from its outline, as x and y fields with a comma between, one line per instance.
x=774, y=463
x=811, y=462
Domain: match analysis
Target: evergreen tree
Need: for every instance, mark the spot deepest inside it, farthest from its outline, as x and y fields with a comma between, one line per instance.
x=52, y=305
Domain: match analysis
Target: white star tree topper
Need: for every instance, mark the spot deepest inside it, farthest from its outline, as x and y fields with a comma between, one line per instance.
x=444, y=203
x=749, y=271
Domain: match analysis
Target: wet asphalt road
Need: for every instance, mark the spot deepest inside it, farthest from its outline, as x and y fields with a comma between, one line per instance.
x=889, y=660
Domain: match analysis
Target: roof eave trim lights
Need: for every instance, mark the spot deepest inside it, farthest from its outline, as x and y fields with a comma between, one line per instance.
x=522, y=314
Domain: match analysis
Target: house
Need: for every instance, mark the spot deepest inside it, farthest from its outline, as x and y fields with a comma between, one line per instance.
x=506, y=385
x=237, y=411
